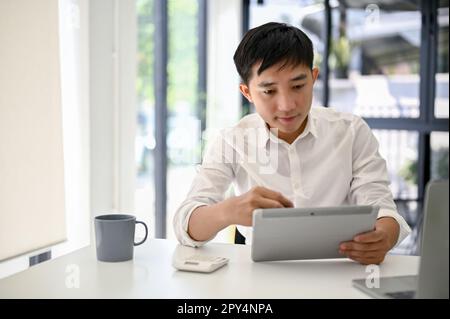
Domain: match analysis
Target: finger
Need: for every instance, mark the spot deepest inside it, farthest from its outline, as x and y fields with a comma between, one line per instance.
x=268, y=203
x=369, y=237
x=364, y=259
x=270, y=194
x=364, y=254
x=346, y=242
x=351, y=245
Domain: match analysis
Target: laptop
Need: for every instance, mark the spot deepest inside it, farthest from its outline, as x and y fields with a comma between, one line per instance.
x=307, y=233
x=432, y=280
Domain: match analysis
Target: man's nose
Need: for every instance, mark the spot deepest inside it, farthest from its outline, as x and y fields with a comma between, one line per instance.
x=286, y=103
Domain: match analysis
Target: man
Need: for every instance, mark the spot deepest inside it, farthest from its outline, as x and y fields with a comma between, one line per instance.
x=317, y=156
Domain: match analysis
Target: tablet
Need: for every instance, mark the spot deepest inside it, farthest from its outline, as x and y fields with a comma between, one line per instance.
x=307, y=233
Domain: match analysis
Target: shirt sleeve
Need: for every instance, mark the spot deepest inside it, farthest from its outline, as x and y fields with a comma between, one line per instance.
x=209, y=186
x=370, y=183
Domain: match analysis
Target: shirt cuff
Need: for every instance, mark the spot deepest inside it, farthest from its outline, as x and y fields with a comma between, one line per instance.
x=405, y=230
x=182, y=231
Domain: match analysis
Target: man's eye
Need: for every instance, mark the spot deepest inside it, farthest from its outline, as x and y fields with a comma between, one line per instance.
x=268, y=92
x=298, y=87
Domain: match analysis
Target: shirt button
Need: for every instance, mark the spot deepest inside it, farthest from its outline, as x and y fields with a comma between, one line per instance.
x=296, y=185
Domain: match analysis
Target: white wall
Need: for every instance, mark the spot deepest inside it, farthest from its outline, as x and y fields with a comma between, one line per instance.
x=31, y=143
x=74, y=48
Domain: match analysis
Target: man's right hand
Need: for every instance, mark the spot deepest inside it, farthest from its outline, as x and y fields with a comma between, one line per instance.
x=240, y=208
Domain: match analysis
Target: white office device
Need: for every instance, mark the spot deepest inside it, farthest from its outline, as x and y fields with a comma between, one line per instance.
x=307, y=233
x=199, y=263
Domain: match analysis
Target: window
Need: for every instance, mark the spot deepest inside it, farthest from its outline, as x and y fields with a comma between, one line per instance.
x=439, y=155
x=441, y=98
x=145, y=136
x=400, y=150
x=184, y=124
x=374, y=59
x=185, y=111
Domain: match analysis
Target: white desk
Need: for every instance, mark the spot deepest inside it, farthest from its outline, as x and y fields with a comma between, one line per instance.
x=151, y=275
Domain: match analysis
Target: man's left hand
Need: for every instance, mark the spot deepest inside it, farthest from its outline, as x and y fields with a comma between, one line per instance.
x=372, y=247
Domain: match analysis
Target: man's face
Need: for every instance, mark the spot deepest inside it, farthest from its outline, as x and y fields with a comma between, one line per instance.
x=282, y=97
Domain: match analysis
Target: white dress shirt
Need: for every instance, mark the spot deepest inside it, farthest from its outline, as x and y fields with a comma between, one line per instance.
x=335, y=161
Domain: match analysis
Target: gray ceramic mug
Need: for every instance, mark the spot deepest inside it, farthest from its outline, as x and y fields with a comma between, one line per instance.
x=114, y=235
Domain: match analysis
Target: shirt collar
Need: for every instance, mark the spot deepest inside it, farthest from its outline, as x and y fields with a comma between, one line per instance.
x=311, y=125
x=264, y=133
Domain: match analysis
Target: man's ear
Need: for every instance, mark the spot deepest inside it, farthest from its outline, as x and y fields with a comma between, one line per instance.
x=245, y=92
x=315, y=73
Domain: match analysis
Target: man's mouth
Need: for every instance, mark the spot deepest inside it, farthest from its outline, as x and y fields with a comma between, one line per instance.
x=286, y=119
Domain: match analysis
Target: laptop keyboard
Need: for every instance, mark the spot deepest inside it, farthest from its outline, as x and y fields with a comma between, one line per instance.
x=402, y=294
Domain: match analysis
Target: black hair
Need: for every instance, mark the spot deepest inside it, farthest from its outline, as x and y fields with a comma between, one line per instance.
x=272, y=43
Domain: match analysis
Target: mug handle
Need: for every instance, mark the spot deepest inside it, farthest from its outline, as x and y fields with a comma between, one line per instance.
x=146, y=233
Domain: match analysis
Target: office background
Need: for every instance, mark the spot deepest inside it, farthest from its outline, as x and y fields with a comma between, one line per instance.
x=145, y=82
